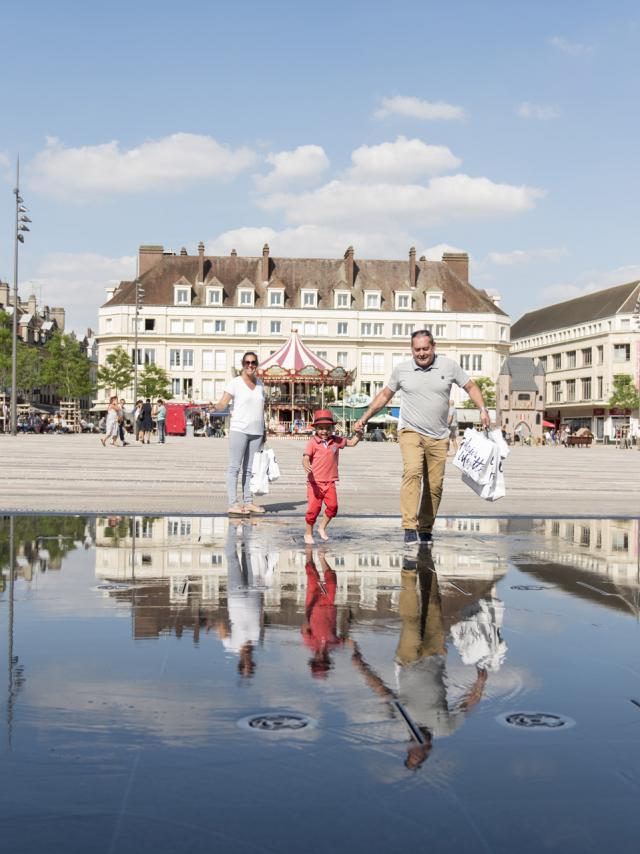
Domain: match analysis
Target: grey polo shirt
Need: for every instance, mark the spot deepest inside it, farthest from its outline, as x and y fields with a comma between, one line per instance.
x=425, y=394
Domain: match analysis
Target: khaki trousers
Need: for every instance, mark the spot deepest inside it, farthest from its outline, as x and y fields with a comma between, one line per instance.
x=424, y=461
x=422, y=632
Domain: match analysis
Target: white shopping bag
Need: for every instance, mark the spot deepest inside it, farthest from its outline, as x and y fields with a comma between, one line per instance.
x=273, y=469
x=475, y=456
x=259, y=483
x=494, y=486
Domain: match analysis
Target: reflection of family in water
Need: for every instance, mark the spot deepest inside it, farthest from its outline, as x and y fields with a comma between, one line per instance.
x=423, y=696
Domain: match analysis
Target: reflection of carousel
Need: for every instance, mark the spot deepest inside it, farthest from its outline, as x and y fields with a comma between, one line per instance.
x=296, y=380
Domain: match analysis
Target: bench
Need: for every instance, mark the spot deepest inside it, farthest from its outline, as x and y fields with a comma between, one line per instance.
x=579, y=441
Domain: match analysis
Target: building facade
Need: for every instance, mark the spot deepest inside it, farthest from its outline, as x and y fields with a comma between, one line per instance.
x=520, y=397
x=582, y=344
x=199, y=314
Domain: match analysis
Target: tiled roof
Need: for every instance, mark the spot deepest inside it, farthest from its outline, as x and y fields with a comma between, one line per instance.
x=296, y=273
x=584, y=309
x=522, y=371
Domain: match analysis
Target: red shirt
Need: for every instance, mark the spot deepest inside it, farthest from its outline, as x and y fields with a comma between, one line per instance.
x=323, y=455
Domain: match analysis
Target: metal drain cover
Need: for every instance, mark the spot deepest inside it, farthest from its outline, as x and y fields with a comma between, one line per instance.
x=535, y=720
x=277, y=722
x=529, y=587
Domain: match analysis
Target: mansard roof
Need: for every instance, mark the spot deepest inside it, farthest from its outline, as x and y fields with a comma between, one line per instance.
x=522, y=370
x=294, y=274
x=590, y=307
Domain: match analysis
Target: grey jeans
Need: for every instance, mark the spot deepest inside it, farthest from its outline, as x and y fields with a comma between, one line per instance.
x=242, y=449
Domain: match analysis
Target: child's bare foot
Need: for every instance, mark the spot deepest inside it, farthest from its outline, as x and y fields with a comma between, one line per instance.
x=308, y=538
x=322, y=533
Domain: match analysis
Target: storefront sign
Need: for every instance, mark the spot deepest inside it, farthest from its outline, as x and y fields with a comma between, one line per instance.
x=598, y=411
x=617, y=411
x=357, y=400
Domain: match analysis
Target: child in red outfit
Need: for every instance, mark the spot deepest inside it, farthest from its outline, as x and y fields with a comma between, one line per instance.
x=320, y=461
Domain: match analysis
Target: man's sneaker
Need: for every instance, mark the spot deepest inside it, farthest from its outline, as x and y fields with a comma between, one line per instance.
x=410, y=536
x=425, y=537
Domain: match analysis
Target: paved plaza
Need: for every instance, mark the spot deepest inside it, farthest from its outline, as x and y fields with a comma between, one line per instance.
x=76, y=474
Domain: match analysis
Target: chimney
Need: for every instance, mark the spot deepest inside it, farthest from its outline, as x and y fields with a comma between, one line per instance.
x=265, y=262
x=348, y=265
x=4, y=294
x=200, y=262
x=458, y=263
x=234, y=254
x=183, y=251
x=57, y=314
x=148, y=256
x=31, y=304
x=412, y=266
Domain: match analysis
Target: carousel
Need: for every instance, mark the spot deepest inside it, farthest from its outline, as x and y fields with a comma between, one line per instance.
x=296, y=383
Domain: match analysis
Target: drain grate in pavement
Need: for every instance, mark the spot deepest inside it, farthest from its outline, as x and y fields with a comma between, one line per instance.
x=277, y=722
x=529, y=587
x=536, y=720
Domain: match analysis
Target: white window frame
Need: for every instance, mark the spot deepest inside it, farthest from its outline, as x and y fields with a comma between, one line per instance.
x=214, y=296
x=403, y=297
x=342, y=299
x=434, y=302
x=252, y=327
x=189, y=327
x=276, y=297
x=181, y=295
x=275, y=327
x=372, y=296
x=175, y=326
x=342, y=328
x=246, y=292
x=308, y=293
x=219, y=326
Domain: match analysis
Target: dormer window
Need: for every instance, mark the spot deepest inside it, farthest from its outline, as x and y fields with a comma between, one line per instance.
x=372, y=300
x=276, y=298
x=342, y=299
x=309, y=299
x=245, y=297
x=214, y=296
x=182, y=296
x=434, y=302
x=403, y=302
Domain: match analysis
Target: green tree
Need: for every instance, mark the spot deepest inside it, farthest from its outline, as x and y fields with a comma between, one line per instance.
x=154, y=382
x=117, y=371
x=5, y=351
x=28, y=369
x=488, y=389
x=625, y=395
x=66, y=368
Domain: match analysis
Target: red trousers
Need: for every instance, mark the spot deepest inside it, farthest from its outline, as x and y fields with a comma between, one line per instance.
x=317, y=493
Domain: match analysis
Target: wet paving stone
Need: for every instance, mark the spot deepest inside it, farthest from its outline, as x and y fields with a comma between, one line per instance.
x=176, y=682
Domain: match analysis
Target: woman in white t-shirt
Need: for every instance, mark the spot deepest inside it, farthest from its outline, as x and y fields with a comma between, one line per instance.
x=246, y=432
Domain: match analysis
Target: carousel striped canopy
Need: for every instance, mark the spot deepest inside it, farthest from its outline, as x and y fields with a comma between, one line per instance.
x=294, y=356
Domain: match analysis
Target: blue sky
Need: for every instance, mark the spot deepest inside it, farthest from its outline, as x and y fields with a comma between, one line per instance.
x=508, y=130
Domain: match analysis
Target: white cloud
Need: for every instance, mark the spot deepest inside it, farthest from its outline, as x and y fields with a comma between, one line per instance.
x=443, y=199
x=415, y=108
x=589, y=282
x=77, y=282
x=175, y=160
x=401, y=160
x=303, y=165
x=571, y=48
x=525, y=256
x=4, y=160
x=435, y=253
x=542, y=112
x=312, y=241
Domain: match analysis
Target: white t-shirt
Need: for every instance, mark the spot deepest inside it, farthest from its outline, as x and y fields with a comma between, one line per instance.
x=247, y=413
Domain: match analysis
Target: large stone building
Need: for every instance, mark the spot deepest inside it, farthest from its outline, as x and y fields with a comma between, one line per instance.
x=582, y=344
x=200, y=313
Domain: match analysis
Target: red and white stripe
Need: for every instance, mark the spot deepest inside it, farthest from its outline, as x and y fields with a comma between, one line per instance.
x=294, y=356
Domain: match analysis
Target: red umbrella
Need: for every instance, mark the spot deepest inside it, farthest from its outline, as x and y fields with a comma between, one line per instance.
x=548, y=424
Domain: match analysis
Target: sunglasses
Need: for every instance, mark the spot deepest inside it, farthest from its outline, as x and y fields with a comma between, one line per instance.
x=250, y=362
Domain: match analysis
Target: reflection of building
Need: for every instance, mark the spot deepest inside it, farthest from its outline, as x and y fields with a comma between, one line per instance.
x=201, y=313
x=520, y=397
x=586, y=556
x=179, y=567
x=581, y=344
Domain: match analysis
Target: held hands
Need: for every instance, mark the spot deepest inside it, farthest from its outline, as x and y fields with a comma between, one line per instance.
x=359, y=425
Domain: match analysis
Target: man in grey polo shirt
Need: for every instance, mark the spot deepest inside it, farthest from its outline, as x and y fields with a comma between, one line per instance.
x=423, y=432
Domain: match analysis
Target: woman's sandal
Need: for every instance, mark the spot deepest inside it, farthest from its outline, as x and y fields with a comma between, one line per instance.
x=255, y=509
x=237, y=510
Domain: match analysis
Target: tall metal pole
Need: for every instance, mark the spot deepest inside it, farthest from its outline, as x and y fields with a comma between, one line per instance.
x=14, y=334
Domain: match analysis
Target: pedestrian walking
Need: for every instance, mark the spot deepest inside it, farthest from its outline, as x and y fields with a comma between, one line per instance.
x=122, y=423
x=423, y=432
x=246, y=432
x=137, y=421
x=146, y=422
x=320, y=461
x=161, y=420
x=111, y=427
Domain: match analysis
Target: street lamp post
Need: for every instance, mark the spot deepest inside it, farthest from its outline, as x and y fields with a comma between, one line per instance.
x=21, y=226
x=139, y=296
